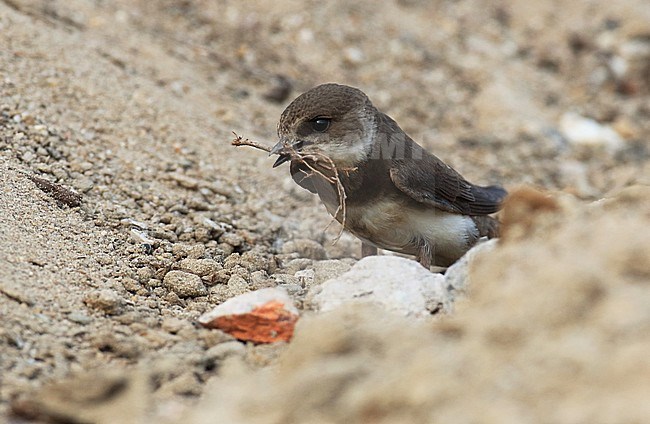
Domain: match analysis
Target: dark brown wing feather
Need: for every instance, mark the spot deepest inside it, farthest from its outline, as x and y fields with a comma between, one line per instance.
x=302, y=175
x=428, y=180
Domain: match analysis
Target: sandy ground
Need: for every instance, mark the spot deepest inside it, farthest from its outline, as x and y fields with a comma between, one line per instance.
x=132, y=104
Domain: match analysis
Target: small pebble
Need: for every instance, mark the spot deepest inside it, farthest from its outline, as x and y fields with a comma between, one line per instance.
x=305, y=248
x=27, y=156
x=200, y=267
x=131, y=285
x=184, y=284
x=280, y=89
x=185, y=181
x=237, y=285
x=144, y=274
x=139, y=237
x=584, y=131
x=285, y=279
x=173, y=299
x=105, y=300
x=83, y=184
x=235, y=240
x=259, y=279
x=305, y=277
x=163, y=234
x=353, y=55
x=16, y=292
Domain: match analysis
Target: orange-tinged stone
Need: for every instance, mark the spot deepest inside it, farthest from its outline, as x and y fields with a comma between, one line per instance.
x=264, y=316
x=268, y=323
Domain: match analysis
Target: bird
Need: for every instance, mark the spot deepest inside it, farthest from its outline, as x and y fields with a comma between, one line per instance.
x=397, y=196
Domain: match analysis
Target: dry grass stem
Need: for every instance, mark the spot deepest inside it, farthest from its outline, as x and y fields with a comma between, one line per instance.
x=317, y=160
x=240, y=141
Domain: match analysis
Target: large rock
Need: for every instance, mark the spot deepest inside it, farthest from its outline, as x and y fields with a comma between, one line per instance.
x=397, y=284
x=457, y=277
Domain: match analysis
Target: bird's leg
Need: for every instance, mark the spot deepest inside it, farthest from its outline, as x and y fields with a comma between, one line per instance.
x=367, y=250
x=424, y=254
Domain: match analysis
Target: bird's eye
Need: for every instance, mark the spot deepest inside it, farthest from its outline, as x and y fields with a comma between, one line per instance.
x=320, y=124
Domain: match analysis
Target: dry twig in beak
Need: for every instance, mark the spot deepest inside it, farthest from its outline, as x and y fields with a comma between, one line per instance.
x=240, y=141
x=318, y=159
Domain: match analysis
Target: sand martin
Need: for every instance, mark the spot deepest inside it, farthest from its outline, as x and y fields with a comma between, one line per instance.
x=399, y=197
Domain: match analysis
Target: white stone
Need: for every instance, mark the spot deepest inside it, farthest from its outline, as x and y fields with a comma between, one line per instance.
x=397, y=284
x=457, y=276
x=584, y=131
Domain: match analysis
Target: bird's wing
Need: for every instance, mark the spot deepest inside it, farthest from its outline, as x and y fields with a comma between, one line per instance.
x=428, y=180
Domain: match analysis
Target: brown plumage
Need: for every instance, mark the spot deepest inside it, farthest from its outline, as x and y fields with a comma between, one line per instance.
x=399, y=196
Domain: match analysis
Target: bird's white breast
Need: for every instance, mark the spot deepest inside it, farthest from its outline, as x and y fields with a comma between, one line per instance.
x=394, y=225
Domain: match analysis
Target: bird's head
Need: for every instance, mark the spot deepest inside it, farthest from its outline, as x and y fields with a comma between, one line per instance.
x=331, y=120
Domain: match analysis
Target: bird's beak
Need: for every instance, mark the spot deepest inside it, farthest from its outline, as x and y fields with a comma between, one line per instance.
x=284, y=149
x=280, y=149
